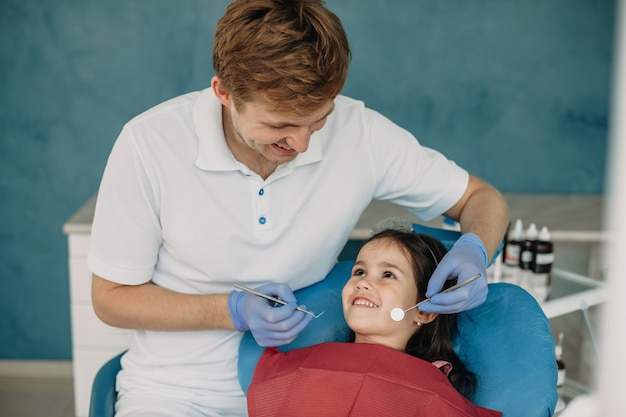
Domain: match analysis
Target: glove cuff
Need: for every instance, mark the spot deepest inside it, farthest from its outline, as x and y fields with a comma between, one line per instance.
x=233, y=299
x=470, y=239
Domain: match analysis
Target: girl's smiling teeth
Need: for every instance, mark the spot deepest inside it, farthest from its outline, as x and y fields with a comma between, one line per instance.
x=364, y=302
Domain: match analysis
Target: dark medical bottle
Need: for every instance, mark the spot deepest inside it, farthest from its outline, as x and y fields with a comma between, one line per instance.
x=514, y=245
x=544, y=252
x=529, y=244
x=526, y=258
x=542, y=265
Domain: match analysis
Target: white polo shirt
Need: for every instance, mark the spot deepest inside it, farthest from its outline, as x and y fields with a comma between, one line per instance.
x=175, y=207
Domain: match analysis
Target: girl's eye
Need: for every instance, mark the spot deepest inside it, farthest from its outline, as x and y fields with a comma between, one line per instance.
x=389, y=275
x=358, y=273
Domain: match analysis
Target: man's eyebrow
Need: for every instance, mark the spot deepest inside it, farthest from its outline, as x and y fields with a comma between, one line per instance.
x=281, y=125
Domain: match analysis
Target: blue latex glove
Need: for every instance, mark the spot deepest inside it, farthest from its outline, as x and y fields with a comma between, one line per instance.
x=466, y=258
x=270, y=326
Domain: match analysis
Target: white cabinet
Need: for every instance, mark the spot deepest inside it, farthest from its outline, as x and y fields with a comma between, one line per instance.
x=93, y=342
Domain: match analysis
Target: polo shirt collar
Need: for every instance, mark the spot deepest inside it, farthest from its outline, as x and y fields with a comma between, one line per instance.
x=213, y=153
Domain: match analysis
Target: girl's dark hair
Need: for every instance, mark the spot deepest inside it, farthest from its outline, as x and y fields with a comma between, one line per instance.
x=434, y=341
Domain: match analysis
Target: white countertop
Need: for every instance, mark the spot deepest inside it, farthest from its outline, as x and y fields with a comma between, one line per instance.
x=570, y=218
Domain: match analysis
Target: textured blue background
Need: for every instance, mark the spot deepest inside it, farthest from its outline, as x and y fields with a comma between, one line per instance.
x=515, y=91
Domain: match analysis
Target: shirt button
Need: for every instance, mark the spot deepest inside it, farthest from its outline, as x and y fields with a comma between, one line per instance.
x=262, y=220
x=261, y=191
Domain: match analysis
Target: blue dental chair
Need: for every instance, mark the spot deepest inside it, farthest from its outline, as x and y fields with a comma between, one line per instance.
x=506, y=342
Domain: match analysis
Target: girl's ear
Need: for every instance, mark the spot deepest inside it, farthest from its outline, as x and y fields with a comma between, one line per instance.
x=424, y=318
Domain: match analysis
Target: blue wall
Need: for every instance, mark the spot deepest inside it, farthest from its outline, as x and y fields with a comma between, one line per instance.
x=515, y=91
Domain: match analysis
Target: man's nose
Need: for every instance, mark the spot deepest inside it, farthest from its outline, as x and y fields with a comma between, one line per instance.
x=299, y=139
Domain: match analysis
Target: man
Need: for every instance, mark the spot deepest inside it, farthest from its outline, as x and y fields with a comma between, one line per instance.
x=257, y=180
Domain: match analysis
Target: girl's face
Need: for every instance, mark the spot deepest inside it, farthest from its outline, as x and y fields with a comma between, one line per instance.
x=382, y=279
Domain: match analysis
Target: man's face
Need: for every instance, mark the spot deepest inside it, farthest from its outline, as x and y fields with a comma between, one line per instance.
x=277, y=138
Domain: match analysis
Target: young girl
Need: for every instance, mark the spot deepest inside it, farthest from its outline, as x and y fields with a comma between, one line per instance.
x=399, y=368
x=392, y=270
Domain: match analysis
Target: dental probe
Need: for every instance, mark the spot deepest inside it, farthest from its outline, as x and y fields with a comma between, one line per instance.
x=397, y=314
x=274, y=299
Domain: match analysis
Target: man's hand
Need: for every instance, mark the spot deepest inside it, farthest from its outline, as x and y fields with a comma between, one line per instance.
x=466, y=258
x=270, y=325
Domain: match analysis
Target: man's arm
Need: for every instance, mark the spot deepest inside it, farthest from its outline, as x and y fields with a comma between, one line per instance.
x=484, y=217
x=483, y=211
x=150, y=307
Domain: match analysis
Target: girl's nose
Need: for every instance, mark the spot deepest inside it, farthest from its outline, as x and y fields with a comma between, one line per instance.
x=363, y=284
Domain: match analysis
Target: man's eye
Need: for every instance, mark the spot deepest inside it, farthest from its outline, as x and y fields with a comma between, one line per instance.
x=389, y=275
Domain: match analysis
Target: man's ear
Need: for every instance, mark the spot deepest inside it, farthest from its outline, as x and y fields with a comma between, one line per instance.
x=222, y=94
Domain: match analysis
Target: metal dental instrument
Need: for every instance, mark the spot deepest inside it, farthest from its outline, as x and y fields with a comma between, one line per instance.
x=274, y=299
x=397, y=314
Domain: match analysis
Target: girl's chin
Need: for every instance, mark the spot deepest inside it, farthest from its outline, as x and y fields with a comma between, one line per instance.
x=362, y=324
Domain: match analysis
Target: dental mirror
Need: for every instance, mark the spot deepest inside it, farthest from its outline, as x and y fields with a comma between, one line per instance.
x=397, y=314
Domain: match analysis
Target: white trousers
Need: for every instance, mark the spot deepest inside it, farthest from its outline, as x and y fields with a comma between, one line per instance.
x=170, y=407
